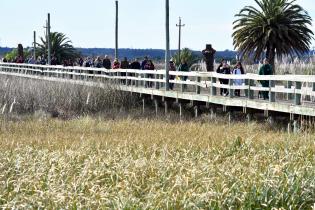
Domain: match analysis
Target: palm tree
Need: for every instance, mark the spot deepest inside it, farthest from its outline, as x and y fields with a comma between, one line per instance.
x=61, y=47
x=187, y=55
x=275, y=28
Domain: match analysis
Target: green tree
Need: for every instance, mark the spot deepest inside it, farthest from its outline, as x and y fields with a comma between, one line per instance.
x=13, y=54
x=275, y=28
x=187, y=55
x=61, y=47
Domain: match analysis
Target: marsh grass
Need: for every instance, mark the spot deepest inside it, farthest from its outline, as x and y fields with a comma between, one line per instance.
x=26, y=96
x=149, y=164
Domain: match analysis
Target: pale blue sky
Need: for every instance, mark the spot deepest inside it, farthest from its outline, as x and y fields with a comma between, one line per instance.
x=91, y=23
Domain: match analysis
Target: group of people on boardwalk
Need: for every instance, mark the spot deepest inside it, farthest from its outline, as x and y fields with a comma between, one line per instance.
x=224, y=68
x=147, y=64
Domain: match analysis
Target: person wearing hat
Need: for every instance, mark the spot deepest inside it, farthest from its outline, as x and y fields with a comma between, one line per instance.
x=208, y=54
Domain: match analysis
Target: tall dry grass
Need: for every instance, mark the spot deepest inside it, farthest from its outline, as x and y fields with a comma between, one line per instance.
x=149, y=164
x=24, y=96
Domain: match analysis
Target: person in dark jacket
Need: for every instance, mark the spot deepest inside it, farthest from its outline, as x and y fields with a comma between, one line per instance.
x=124, y=65
x=265, y=69
x=185, y=68
x=208, y=54
x=135, y=64
x=144, y=62
x=106, y=62
x=172, y=77
x=149, y=66
x=225, y=69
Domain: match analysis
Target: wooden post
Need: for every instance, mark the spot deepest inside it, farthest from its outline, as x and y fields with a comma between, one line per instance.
x=48, y=39
x=196, y=111
x=247, y=90
x=272, y=94
x=116, y=31
x=167, y=50
x=295, y=126
x=34, y=50
x=156, y=83
x=156, y=106
x=289, y=128
x=180, y=111
x=213, y=88
x=249, y=117
x=182, y=86
x=180, y=25
x=230, y=117
x=297, y=96
x=136, y=79
x=212, y=113
x=251, y=92
x=289, y=95
x=127, y=80
x=231, y=91
x=198, y=79
x=166, y=107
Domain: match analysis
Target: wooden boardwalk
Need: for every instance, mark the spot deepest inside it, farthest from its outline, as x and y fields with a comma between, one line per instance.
x=289, y=94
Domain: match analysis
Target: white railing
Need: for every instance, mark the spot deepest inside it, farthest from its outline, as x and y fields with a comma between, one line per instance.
x=293, y=89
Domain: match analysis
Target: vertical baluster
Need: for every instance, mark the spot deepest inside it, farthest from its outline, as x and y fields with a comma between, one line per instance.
x=297, y=96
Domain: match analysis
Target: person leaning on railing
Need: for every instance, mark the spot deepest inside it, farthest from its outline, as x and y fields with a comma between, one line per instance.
x=265, y=69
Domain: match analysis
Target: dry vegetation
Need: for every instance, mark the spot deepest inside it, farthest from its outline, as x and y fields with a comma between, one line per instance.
x=24, y=96
x=90, y=163
x=143, y=164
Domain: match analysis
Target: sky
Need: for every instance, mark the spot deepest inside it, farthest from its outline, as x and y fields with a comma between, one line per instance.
x=91, y=23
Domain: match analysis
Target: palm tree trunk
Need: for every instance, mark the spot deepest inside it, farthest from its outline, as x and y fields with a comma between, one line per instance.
x=271, y=55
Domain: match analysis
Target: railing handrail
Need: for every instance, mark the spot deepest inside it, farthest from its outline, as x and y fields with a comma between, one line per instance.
x=248, y=76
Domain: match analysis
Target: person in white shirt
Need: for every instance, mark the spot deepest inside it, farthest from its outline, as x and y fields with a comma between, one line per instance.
x=238, y=70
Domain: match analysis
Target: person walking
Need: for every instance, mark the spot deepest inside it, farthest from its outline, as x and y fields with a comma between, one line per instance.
x=124, y=65
x=135, y=64
x=225, y=69
x=238, y=70
x=116, y=64
x=265, y=69
x=149, y=66
x=144, y=62
x=184, y=68
x=172, y=77
x=106, y=62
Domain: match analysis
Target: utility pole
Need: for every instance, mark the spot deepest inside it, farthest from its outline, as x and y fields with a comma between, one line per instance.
x=116, y=31
x=48, y=39
x=180, y=25
x=167, y=50
x=34, y=51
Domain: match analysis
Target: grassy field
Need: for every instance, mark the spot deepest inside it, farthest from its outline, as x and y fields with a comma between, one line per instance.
x=152, y=164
